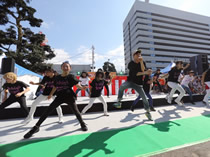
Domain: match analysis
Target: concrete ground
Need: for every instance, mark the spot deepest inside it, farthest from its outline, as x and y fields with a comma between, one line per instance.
x=197, y=150
x=12, y=130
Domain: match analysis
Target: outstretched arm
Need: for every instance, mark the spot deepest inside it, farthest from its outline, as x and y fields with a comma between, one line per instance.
x=186, y=66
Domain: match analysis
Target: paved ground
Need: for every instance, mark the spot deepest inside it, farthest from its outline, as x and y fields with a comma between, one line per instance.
x=12, y=131
x=197, y=150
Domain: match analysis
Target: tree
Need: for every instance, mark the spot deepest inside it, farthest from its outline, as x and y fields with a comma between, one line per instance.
x=20, y=42
x=109, y=67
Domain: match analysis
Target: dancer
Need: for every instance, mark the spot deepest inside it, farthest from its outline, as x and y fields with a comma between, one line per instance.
x=63, y=86
x=109, y=80
x=173, y=76
x=147, y=86
x=135, y=80
x=185, y=84
x=96, y=87
x=17, y=89
x=206, y=81
x=84, y=82
x=47, y=83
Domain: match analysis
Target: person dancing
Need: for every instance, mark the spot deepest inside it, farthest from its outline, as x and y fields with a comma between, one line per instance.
x=47, y=83
x=173, y=83
x=96, y=87
x=206, y=81
x=63, y=86
x=17, y=90
x=147, y=86
x=135, y=80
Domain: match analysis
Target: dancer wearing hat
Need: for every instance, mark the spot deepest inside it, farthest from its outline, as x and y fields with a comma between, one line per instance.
x=135, y=80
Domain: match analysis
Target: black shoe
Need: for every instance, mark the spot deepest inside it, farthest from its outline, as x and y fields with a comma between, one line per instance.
x=192, y=102
x=152, y=109
x=132, y=108
x=34, y=130
x=84, y=127
x=148, y=115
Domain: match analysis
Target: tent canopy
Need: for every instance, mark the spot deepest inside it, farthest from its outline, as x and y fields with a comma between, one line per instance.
x=23, y=71
x=166, y=69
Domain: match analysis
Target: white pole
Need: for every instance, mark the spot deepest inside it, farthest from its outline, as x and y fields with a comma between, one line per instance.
x=93, y=62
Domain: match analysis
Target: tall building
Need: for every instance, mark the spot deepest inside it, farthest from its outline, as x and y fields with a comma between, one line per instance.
x=164, y=34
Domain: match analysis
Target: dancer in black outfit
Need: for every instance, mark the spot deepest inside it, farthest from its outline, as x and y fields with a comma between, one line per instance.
x=16, y=90
x=63, y=86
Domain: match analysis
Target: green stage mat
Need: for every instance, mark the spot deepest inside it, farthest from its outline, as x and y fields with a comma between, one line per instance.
x=125, y=142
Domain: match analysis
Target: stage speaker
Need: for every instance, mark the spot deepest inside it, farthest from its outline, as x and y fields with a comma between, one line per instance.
x=199, y=63
x=7, y=65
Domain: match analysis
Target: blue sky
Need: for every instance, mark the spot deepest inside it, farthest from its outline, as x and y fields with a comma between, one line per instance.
x=73, y=26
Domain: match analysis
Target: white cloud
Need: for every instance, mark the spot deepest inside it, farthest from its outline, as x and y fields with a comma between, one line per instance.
x=116, y=56
x=61, y=56
x=119, y=51
x=83, y=55
x=45, y=25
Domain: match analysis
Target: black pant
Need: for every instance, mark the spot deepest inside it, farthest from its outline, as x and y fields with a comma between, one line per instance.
x=107, y=88
x=21, y=100
x=158, y=84
x=70, y=101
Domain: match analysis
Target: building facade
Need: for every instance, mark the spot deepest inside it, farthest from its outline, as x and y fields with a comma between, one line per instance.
x=164, y=34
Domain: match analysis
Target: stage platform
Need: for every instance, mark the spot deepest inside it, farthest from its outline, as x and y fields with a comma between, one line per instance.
x=14, y=110
x=123, y=133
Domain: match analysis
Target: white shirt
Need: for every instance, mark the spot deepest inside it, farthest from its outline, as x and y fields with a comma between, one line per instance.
x=84, y=81
x=186, y=80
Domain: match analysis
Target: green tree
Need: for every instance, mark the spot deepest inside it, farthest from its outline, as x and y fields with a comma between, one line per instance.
x=109, y=67
x=20, y=42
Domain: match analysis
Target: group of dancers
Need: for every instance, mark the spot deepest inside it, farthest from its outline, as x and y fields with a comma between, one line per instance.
x=59, y=88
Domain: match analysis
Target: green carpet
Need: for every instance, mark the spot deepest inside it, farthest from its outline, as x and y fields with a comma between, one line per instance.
x=126, y=142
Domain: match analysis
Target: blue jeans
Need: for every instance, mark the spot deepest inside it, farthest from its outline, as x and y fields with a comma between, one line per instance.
x=138, y=88
x=87, y=90
x=150, y=100
x=188, y=90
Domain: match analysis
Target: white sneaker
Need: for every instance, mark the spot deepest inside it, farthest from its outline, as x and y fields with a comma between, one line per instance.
x=168, y=99
x=106, y=114
x=60, y=120
x=179, y=102
x=27, y=120
x=206, y=103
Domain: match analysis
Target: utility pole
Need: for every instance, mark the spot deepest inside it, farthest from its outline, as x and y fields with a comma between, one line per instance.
x=93, y=62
